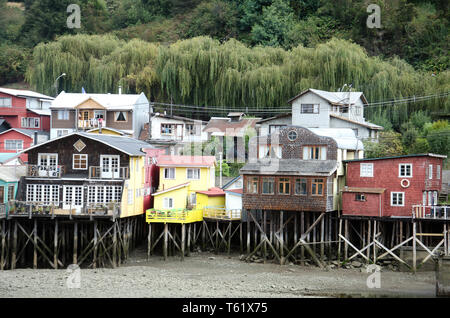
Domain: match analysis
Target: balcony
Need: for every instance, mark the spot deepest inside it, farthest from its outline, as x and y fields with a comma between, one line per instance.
x=431, y=212
x=174, y=216
x=45, y=171
x=120, y=173
x=91, y=123
x=220, y=213
x=46, y=209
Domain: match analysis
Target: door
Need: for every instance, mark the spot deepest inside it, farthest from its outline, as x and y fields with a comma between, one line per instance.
x=48, y=165
x=73, y=198
x=99, y=118
x=179, y=132
x=109, y=166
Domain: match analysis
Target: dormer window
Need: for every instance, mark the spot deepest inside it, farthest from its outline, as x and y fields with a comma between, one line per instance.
x=314, y=153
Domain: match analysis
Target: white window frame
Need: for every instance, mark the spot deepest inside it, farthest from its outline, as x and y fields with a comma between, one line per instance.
x=397, y=193
x=81, y=155
x=35, y=193
x=63, y=114
x=438, y=172
x=47, y=154
x=430, y=172
x=168, y=203
x=6, y=102
x=364, y=170
x=193, y=174
x=174, y=173
x=15, y=141
x=400, y=170
x=26, y=120
x=62, y=132
x=117, y=114
x=193, y=198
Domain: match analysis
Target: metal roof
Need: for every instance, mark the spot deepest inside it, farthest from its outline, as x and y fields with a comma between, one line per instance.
x=363, y=190
x=399, y=157
x=334, y=97
x=364, y=123
x=42, y=112
x=127, y=145
x=268, y=166
x=27, y=132
x=344, y=137
x=12, y=173
x=24, y=93
x=109, y=101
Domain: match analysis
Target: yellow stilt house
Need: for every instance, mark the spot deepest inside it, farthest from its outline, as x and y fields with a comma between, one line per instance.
x=181, y=177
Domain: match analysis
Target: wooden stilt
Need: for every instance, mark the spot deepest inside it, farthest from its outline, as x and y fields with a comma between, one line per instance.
x=369, y=236
x=2, y=254
x=375, y=231
x=114, y=245
x=204, y=236
x=229, y=237
x=248, y=231
x=322, y=234
x=63, y=243
x=302, y=231
x=55, y=246
x=189, y=240
x=339, y=243
x=346, y=237
x=295, y=233
x=241, y=242
x=282, y=261
x=264, y=227
x=75, y=243
x=165, y=240
x=183, y=236
x=149, y=241
x=35, y=256
x=95, y=245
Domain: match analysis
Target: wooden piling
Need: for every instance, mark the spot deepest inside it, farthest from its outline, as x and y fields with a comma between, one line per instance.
x=165, y=240
x=281, y=239
x=55, y=246
x=183, y=235
x=35, y=256
x=189, y=240
x=95, y=245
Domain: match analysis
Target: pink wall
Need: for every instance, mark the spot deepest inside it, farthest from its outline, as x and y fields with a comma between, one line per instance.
x=151, y=174
x=14, y=135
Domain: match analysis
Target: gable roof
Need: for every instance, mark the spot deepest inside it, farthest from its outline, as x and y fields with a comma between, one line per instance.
x=109, y=101
x=337, y=98
x=11, y=174
x=127, y=145
x=26, y=132
x=299, y=167
x=364, y=124
x=41, y=112
x=181, y=118
x=344, y=137
x=275, y=117
x=185, y=161
x=229, y=183
x=399, y=157
x=225, y=126
x=24, y=93
x=172, y=188
x=8, y=156
x=213, y=192
x=122, y=133
x=235, y=191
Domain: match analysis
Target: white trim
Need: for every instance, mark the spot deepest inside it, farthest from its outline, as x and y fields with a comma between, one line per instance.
x=403, y=198
x=405, y=164
x=199, y=173
x=166, y=200
x=15, y=141
x=171, y=189
x=366, y=174
x=430, y=172
x=174, y=173
x=73, y=161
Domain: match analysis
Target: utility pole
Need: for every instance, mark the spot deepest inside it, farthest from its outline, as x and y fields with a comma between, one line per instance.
x=150, y=113
x=220, y=169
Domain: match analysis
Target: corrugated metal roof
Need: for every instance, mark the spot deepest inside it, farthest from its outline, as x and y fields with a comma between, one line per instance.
x=186, y=161
x=42, y=112
x=363, y=190
x=269, y=166
x=24, y=93
x=127, y=145
x=334, y=97
x=224, y=126
x=12, y=173
x=365, y=123
x=399, y=157
x=109, y=101
x=344, y=137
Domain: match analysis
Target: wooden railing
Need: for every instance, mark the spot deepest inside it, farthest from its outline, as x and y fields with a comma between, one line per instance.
x=61, y=208
x=96, y=172
x=431, y=212
x=90, y=123
x=174, y=216
x=45, y=171
x=221, y=213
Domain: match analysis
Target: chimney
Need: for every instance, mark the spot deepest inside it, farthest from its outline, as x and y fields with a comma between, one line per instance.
x=120, y=89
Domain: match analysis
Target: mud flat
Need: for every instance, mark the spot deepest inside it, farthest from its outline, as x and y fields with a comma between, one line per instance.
x=209, y=275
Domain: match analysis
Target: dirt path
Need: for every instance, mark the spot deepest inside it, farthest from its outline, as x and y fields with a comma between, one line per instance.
x=209, y=275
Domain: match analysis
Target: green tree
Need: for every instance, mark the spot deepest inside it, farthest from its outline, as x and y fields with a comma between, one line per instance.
x=276, y=22
x=389, y=144
x=13, y=63
x=420, y=146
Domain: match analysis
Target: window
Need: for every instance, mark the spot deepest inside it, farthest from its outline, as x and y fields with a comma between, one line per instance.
x=430, y=172
x=252, y=185
x=268, y=185
x=274, y=128
x=314, y=153
x=438, y=172
x=47, y=194
x=120, y=116
x=360, y=197
x=292, y=135
x=317, y=187
x=300, y=187
x=13, y=144
x=11, y=192
x=193, y=174
x=169, y=173
x=284, y=186
x=397, y=198
x=5, y=102
x=355, y=130
x=63, y=115
x=80, y=162
x=167, y=129
x=130, y=196
x=30, y=122
x=193, y=199
x=62, y=132
x=168, y=203
x=48, y=159
x=191, y=130
x=309, y=108
x=405, y=170
x=366, y=169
